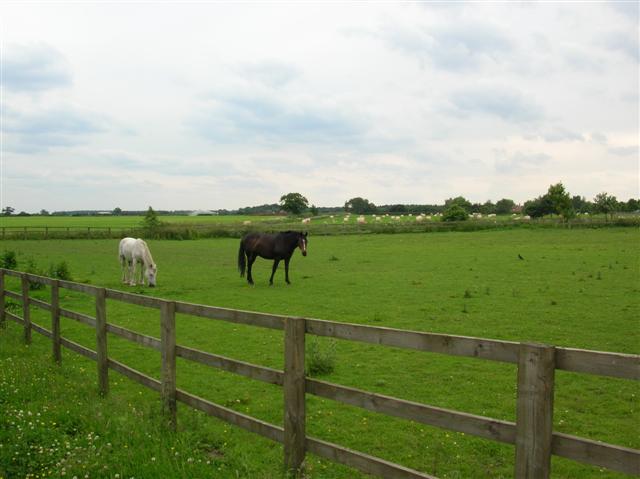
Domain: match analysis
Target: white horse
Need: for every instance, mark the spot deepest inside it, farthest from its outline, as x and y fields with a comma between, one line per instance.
x=131, y=252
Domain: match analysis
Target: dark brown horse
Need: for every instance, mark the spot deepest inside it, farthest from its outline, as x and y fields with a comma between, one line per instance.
x=277, y=247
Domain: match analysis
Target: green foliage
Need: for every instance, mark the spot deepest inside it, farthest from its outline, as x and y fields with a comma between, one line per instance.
x=458, y=200
x=151, y=222
x=314, y=210
x=504, y=206
x=8, y=260
x=32, y=268
x=455, y=213
x=294, y=203
x=8, y=211
x=60, y=271
x=561, y=201
x=360, y=206
x=320, y=360
x=605, y=203
x=539, y=207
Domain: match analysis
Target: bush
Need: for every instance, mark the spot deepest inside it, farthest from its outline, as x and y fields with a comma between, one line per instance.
x=8, y=260
x=320, y=361
x=60, y=271
x=455, y=213
x=32, y=268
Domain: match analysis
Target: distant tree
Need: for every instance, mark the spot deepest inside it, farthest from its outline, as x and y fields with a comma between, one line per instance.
x=44, y=213
x=581, y=205
x=460, y=201
x=23, y=213
x=488, y=208
x=150, y=222
x=455, y=213
x=116, y=211
x=360, y=206
x=538, y=207
x=632, y=205
x=313, y=210
x=7, y=211
x=605, y=203
x=294, y=203
x=561, y=201
x=504, y=206
x=398, y=209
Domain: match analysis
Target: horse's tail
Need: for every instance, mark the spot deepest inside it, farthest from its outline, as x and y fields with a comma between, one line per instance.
x=241, y=259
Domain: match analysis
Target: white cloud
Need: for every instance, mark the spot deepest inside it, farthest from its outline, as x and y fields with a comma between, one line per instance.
x=214, y=105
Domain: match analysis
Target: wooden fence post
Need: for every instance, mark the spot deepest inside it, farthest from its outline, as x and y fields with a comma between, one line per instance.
x=55, y=321
x=26, y=316
x=534, y=411
x=3, y=316
x=294, y=395
x=168, y=353
x=101, y=341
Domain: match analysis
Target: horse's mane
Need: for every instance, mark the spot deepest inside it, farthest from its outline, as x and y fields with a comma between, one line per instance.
x=146, y=254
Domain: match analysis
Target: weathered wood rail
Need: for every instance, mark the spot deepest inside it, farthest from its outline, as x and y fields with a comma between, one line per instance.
x=532, y=434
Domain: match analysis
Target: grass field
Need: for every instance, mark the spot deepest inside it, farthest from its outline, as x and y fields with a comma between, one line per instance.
x=577, y=288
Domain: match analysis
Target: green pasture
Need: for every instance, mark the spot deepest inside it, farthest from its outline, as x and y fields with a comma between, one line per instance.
x=576, y=288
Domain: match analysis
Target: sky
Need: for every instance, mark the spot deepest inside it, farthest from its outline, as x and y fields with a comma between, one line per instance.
x=231, y=104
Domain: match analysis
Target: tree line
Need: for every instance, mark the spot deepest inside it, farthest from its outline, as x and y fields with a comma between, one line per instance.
x=556, y=201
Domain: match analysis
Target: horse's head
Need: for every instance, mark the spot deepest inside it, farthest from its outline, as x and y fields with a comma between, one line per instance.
x=302, y=243
x=151, y=272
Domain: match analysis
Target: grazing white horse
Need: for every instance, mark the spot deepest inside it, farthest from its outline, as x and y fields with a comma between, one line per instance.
x=131, y=252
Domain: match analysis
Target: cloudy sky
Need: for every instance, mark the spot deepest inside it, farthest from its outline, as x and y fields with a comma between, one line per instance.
x=224, y=105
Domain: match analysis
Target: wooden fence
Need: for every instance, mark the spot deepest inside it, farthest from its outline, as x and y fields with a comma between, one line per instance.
x=532, y=433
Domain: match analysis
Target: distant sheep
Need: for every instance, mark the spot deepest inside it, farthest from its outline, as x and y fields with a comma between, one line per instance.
x=247, y=222
x=361, y=220
x=306, y=221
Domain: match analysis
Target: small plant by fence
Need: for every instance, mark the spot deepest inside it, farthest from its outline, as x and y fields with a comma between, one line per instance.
x=532, y=434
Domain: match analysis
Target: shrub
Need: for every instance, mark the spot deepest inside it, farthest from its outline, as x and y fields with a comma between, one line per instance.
x=320, y=361
x=8, y=260
x=60, y=271
x=455, y=213
x=32, y=268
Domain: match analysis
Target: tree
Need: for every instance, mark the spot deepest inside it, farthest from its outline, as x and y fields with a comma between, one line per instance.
x=398, y=209
x=116, y=211
x=7, y=211
x=294, y=203
x=504, y=206
x=561, y=201
x=460, y=201
x=44, y=213
x=455, y=213
x=488, y=208
x=150, y=222
x=360, y=206
x=538, y=207
x=633, y=205
x=313, y=210
x=580, y=204
x=605, y=203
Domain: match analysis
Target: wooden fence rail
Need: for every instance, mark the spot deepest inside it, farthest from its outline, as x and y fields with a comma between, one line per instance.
x=531, y=434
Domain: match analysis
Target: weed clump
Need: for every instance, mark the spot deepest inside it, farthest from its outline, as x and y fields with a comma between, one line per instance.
x=8, y=260
x=320, y=361
x=60, y=271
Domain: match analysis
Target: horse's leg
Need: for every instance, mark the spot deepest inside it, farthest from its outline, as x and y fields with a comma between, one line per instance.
x=286, y=270
x=273, y=270
x=123, y=268
x=251, y=258
x=132, y=273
